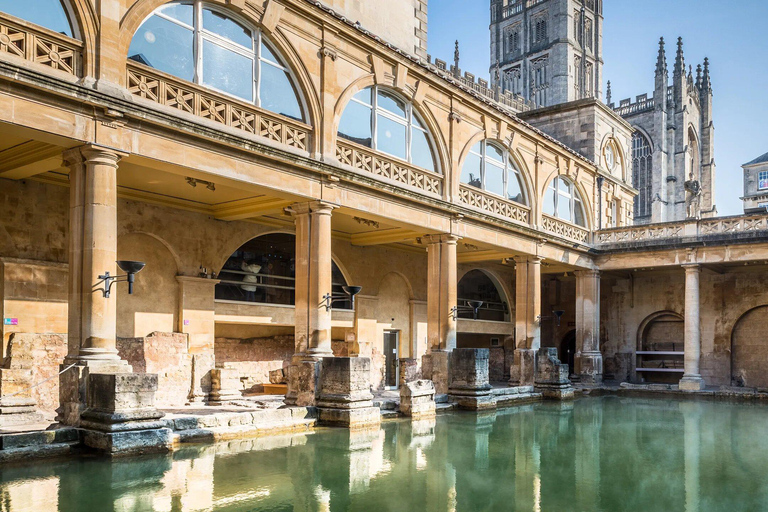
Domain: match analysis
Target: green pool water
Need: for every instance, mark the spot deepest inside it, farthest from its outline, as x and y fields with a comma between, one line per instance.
x=595, y=454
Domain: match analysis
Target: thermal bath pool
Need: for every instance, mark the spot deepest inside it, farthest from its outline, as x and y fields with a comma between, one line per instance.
x=595, y=454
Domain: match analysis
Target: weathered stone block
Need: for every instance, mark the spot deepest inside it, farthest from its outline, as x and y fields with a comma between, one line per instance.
x=277, y=376
x=225, y=386
x=302, y=383
x=435, y=367
x=468, y=384
x=409, y=371
x=417, y=399
x=344, y=396
x=523, y=370
x=551, y=376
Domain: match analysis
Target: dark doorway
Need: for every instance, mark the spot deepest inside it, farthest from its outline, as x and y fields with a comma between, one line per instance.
x=392, y=363
x=568, y=350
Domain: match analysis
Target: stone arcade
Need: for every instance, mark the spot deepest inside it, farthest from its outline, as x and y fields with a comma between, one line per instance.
x=294, y=153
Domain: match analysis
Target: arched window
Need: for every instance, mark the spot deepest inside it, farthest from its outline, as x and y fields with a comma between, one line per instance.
x=200, y=43
x=488, y=166
x=613, y=158
x=642, y=172
x=263, y=271
x=563, y=201
x=477, y=285
x=50, y=14
x=381, y=120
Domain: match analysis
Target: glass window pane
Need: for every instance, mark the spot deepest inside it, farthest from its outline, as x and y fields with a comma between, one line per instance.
x=515, y=188
x=46, y=13
x=181, y=12
x=421, y=152
x=477, y=148
x=416, y=123
x=166, y=46
x=227, y=71
x=494, y=179
x=277, y=94
x=355, y=124
x=391, y=104
x=564, y=209
x=266, y=53
x=390, y=137
x=579, y=214
x=226, y=28
x=564, y=186
x=549, y=201
x=470, y=173
x=494, y=153
x=365, y=96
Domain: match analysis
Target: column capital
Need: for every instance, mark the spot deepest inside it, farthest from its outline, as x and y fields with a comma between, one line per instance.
x=93, y=154
x=535, y=260
x=691, y=267
x=444, y=238
x=587, y=273
x=321, y=207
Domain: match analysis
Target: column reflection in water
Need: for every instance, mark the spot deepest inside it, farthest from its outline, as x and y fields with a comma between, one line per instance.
x=588, y=418
x=692, y=419
x=38, y=494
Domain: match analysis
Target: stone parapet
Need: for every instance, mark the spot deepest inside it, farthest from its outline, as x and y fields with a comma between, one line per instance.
x=468, y=383
x=121, y=418
x=552, y=376
x=417, y=399
x=344, y=396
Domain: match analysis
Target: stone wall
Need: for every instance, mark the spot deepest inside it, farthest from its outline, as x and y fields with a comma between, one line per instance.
x=254, y=358
x=35, y=358
x=167, y=355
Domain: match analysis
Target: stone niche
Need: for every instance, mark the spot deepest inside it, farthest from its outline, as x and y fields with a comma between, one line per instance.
x=552, y=376
x=468, y=383
x=417, y=399
x=344, y=393
x=121, y=418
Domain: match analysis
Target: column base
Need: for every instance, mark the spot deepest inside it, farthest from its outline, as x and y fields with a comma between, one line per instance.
x=523, y=370
x=417, y=399
x=344, y=393
x=590, y=366
x=72, y=385
x=469, y=386
x=691, y=383
x=552, y=376
x=302, y=382
x=435, y=367
x=224, y=386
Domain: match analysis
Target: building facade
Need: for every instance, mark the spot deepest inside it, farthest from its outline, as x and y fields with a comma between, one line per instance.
x=756, y=185
x=259, y=156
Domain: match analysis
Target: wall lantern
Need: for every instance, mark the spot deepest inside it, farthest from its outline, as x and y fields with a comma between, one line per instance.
x=348, y=295
x=131, y=268
x=472, y=305
x=558, y=314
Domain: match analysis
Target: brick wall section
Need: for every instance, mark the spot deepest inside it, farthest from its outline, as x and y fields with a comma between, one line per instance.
x=167, y=355
x=254, y=358
x=37, y=357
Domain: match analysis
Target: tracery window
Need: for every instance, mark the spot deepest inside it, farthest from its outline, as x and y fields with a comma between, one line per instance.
x=563, y=201
x=513, y=42
x=50, y=14
x=642, y=172
x=540, y=30
x=489, y=167
x=381, y=120
x=539, y=80
x=202, y=44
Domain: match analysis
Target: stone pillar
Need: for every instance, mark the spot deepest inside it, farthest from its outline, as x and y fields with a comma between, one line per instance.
x=552, y=376
x=313, y=281
x=92, y=252
x=441, y=298
x=344, y=397
x=692, y=380
x=527, y=322
x=196, y=320
x=588, y=360
x=468, y=384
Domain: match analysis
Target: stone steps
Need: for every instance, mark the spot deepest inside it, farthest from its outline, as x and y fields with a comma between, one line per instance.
x=39, y=444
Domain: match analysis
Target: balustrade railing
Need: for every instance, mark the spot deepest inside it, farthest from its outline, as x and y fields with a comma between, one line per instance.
x=186, y=97
x=685, y=229
x=41, y=46
x=489, y=203
x=564, y=229
x=388, y=168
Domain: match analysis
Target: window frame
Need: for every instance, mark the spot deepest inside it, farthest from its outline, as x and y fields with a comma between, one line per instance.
x=411, y=113
x=764, y=175
x=574, y=200
x=200, y=35
x=509, y=169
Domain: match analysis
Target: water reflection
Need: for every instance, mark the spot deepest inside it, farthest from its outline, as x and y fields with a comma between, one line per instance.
x=595, y=454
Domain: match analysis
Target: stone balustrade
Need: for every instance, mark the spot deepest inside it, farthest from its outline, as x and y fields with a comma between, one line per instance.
x=158, y=87
x=565, y=229
x=495, y=205
x=391, y=169
x=41, y=46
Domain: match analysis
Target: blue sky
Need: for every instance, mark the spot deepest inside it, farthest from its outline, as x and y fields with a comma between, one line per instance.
x=732, y=34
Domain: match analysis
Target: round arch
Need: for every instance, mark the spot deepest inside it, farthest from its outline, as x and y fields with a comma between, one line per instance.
x=643, y=327
x=308, y=96
x=585, y=198
x=369, y=80
x=163, y=241
x=749, y=367
x=501, y=313
x=401, y=276
x=645, y=134
x=621, y=161
x=516, y=157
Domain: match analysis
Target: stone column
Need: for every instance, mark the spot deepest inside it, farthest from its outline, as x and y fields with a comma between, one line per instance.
x=588, y=359
x=313, y=281
x=441, y=298
x=527, y=323
x=92, y=252
x=692, y=380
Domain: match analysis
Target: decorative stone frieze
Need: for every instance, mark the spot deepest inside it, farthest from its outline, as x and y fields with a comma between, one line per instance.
x=344, y=397
x=468, y=378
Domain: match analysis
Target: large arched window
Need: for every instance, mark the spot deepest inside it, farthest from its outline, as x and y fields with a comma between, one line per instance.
x=562, y=200
x=381, y=120
x=263, y=271
x=642, y=172
x=488, y=166
x=200, y=43
x=50, y=14
x=476, y=285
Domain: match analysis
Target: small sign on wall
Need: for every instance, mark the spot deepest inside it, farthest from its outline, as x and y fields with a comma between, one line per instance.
x=186, y=322
x=10, y=321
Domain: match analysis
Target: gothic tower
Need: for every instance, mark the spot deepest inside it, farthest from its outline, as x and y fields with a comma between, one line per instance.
x=548, y=51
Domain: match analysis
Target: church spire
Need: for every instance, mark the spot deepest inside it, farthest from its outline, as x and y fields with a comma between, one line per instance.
x=680, y=58
x=661, y=62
